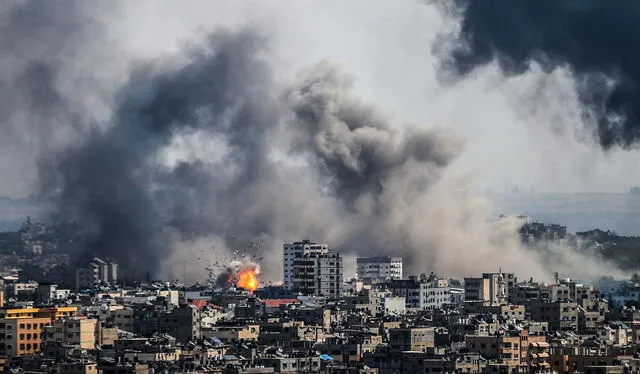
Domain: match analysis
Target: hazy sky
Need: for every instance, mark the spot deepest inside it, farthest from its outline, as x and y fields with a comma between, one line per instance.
x=525, y=129
x=519, y=131
x=522, y=130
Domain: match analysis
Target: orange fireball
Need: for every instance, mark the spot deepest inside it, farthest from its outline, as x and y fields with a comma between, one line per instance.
x=248, y=280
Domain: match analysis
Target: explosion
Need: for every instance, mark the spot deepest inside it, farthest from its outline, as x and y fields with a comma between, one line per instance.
x=247, y=279
x=242, y=274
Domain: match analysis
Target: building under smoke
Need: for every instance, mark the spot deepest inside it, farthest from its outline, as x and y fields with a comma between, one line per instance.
x=318, y=274
x=379, y=269
x=97, y=271
x=296, y=250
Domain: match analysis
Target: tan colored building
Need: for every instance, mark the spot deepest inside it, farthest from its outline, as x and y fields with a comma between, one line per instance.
x=21, y=335
x=79, y=332
x=510, y=349
x=229, y=334
x=416, y=339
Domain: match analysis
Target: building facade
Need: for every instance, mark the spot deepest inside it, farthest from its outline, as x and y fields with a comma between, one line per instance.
x=21, y=336
x=318, y=274
x=379, y=269
x=79, y=332
x=296, y=250
x=97, y=271
x=491, y=289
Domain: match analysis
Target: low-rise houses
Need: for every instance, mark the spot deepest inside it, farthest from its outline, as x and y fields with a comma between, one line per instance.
x=421, y=324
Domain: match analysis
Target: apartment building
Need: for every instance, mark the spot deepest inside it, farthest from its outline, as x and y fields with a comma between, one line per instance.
x=21, y=335
x=80, y=332
x=509, y=348
x=415, y=339
x=97, y=271
x=433, y=294
x=318, y=274
x=379, y=269
x=21, y=329
x=562, y=316
x=296, y=250
x=490, y=289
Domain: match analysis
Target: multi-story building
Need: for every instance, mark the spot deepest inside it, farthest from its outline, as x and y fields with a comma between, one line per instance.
x=433, y=294
x=21, y=335
x=562, y=316
x=379, y=269
x=97, y=271
x=490, y=289
x=80, y=332
x=509, y=348
x=318, y=274
x=417, y=339
x=296, y=250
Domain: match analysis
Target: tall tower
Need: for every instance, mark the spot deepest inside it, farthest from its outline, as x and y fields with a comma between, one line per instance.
x=296, y=250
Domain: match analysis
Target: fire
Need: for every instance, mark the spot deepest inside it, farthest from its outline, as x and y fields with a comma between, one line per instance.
x=247, y=279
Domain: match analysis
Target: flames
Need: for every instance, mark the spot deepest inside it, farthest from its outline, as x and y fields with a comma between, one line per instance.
x=248, y=279
x=240, y=274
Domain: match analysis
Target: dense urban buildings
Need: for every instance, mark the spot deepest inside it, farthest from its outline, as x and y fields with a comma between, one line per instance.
x=317, y=321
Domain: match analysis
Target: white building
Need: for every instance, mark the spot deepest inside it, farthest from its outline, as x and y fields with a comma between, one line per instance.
x=427, y=294
x=379, y=269
x=318, y=274
x=296, y=250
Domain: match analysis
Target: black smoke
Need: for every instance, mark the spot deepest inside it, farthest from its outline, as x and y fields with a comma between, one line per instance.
x=597, y=39
x=206, y=147
x=39, y=41
x=112, y=183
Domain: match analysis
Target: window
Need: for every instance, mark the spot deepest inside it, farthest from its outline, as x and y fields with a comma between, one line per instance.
x=21, y=346
x=22, y=325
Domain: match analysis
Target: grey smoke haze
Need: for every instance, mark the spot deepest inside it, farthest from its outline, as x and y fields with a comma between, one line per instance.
x=212, y=145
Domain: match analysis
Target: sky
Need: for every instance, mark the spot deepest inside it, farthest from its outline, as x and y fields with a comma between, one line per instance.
x=401, y=141
x=521, y=130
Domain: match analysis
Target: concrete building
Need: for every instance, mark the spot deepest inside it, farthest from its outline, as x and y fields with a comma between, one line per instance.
x=318, y=274
x=97, y=271
x=433, y=294
x=379, y=269
x=510, y=348
x=416, y=339
x=296, y=250
x=79, y=332
x=182, y=323
x=562, y=316
x=47, y=294
x=490, y=289
x=21, y=336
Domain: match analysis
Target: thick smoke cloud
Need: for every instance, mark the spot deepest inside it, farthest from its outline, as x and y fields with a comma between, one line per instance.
x=204, y=152
x=596, y=39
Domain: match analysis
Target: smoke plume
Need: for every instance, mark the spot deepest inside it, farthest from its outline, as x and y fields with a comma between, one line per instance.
x=206, y=151
x=595, y=40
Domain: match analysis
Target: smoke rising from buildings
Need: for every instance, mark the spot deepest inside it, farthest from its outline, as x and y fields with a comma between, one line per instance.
x=592, y=38
x=211, y=146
